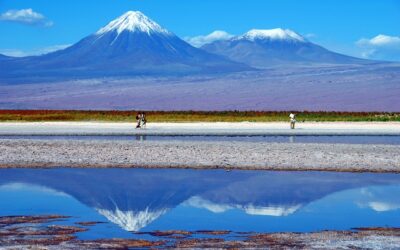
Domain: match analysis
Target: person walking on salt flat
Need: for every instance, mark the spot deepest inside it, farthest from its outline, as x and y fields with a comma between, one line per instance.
x=144, y=120
x=138, y=119
x=292, y=120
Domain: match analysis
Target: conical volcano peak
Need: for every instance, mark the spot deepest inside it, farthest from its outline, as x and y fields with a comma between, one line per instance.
x=273, y=34
x=133, y=21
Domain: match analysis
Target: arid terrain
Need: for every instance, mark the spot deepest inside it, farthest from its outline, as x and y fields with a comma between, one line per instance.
x=178, y=154
x=330, y=88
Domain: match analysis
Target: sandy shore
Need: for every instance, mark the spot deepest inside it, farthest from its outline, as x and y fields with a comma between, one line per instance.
x=187, y=154
x=217, y=128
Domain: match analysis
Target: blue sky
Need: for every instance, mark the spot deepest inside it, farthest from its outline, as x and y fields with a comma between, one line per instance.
x=347, y=26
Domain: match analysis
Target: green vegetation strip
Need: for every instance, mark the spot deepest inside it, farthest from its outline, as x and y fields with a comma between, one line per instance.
x=192, y=116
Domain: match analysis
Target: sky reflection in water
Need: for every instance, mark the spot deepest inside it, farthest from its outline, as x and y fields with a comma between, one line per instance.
x=155, y=199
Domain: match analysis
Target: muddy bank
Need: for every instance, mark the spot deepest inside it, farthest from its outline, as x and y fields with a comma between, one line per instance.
x=42, y=232
x=186, y=154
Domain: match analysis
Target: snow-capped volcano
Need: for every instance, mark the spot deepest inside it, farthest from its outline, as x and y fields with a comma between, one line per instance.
x=133, y=21
x=268, y=48
x=132, y=44
x=272, y=34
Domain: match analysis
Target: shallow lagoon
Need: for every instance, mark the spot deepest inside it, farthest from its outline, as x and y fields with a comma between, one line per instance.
x=163, y=199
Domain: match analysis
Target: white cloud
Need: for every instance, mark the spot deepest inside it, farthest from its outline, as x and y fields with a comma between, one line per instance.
x=272, y=211
x=380, y=41
x=382, y=47
x=199, y=202
x=26, y=16
x=380, y=198
x=383, y=206
x=17, y=186
x=310, y=35
x=34, y=52
x=217, y=35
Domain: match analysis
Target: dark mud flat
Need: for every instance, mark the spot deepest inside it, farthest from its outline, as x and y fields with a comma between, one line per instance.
x=175, y=208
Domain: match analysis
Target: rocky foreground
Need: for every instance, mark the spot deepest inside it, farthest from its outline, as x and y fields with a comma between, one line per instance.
x=187, y=154
x=43, y=232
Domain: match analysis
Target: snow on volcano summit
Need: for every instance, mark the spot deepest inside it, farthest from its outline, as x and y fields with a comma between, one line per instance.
x=130, y=45
x=264, y=48
x=133, y=21
x=272, y=34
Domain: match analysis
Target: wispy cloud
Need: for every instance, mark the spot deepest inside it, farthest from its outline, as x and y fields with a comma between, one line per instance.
x=34, y=52
x=26, y=16
x=380, y=47
x=310, y=35
x=201, y=40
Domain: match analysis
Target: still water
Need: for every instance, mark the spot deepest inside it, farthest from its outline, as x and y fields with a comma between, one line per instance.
x=163, y=199
x=347, y=139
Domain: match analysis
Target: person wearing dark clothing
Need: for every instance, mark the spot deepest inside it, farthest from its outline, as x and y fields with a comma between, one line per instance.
x=144, y=120
x=138, y=120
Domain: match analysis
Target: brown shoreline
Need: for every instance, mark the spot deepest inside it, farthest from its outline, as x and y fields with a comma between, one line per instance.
x=21, y=232
x=211, y=167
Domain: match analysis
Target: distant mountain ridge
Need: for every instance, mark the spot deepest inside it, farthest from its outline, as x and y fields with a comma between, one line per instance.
x=266, y=48
x=131, y=44
x=133, y=63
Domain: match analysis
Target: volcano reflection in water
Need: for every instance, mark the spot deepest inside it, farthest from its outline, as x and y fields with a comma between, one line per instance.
x=161, y=199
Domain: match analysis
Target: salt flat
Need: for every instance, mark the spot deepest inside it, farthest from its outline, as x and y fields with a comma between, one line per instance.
x=200, y=128
x=200, y=154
